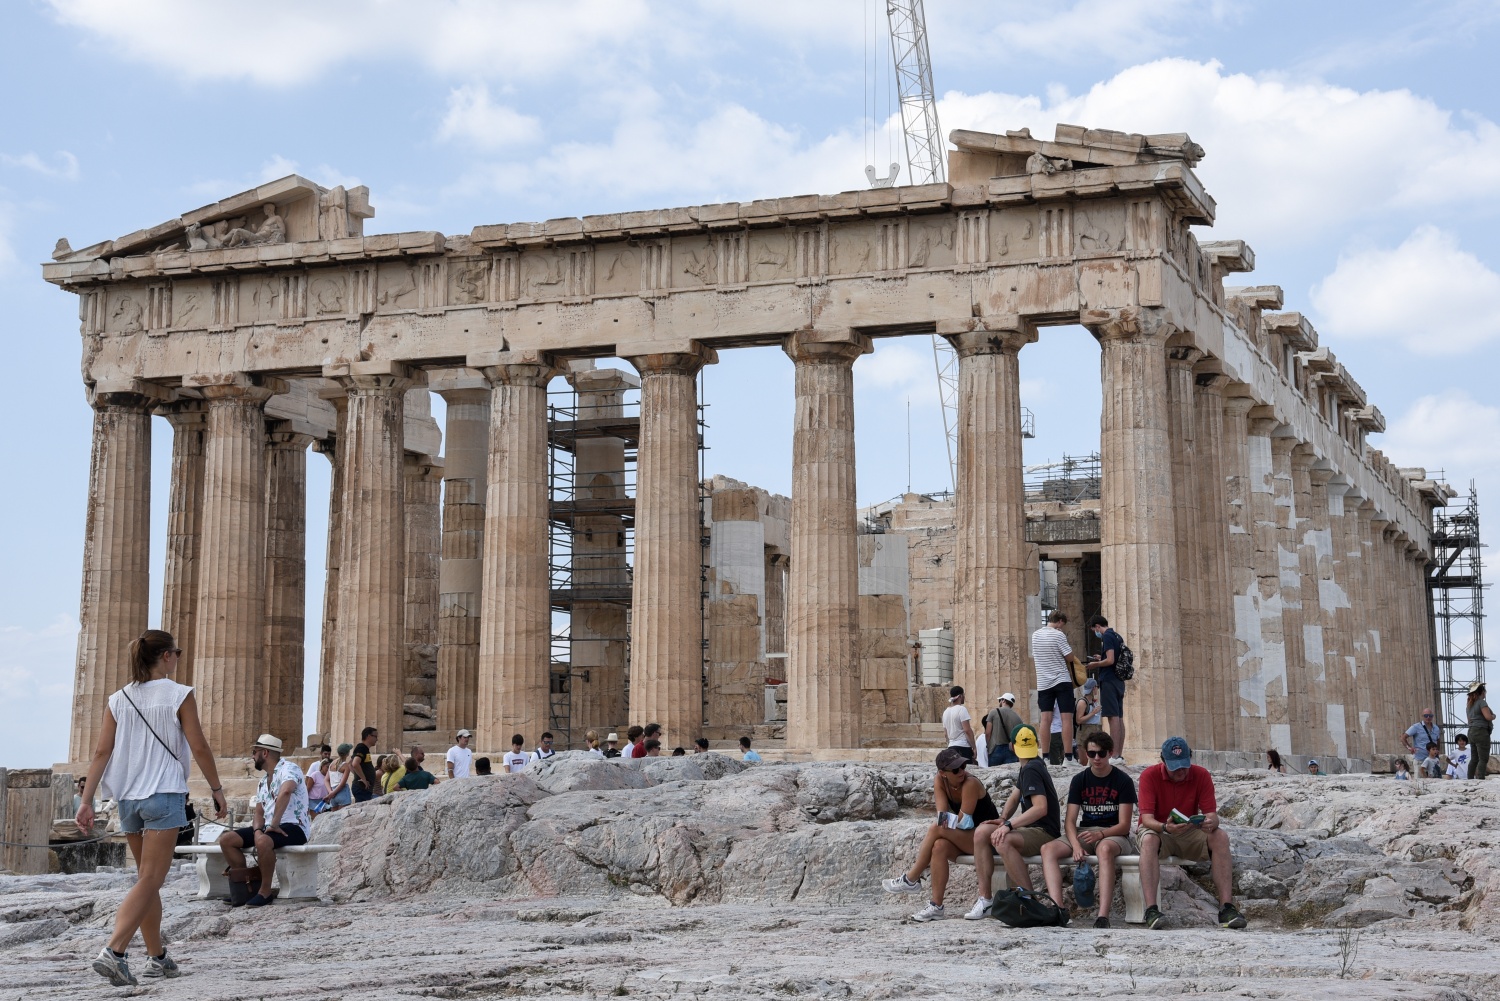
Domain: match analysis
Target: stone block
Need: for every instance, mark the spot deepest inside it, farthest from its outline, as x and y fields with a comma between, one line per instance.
x=883, y=673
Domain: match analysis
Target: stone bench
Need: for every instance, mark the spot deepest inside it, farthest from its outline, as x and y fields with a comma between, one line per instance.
x=296, y=870
x=1129, y=867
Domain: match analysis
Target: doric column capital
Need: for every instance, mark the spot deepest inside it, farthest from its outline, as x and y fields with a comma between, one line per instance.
x=826, y=346
x=1210, y=380
x=987, y=335
x=421, y=464
x=1303, y=457
x=459, y=397
x=127, y=394
x=1283, y=445
x=450, y=382
x=1128, y=324
x=1319, y=476
x=235, y=386
x=1182, y=356
x=684, y=358
x=185, y=413
x=385, y=377
x=532, y=369
x=279, y=434
x=1238, y=406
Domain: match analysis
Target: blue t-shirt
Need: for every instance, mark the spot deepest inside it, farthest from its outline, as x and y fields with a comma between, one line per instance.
x=751, y=756
x=1110, y=641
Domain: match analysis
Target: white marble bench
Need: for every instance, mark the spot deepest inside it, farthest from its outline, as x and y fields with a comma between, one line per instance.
x=296, y=870
x=1128, y=867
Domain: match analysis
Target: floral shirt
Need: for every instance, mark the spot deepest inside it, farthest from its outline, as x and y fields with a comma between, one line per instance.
x=296, y=809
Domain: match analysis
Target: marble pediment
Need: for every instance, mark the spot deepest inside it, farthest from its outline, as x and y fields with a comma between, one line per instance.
x=291, y=209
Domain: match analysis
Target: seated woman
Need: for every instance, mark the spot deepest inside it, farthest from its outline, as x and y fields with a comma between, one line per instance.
x=962, y=803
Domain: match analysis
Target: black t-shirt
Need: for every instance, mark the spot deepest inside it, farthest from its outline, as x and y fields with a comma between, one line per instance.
x=1110, y=641
x=1034, y=780
x=1098, y=800
x=361, y=759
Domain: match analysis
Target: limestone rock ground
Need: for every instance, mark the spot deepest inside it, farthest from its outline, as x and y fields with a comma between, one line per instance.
x=585, y=878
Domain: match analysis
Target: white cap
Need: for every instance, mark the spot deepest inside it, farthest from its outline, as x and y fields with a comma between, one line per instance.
x=1007, y=697
x=463, y=733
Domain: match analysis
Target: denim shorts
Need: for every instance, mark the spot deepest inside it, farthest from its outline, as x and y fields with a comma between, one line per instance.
x=164, y=811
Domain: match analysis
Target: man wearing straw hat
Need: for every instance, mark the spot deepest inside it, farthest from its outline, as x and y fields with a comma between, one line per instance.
x=281, y=819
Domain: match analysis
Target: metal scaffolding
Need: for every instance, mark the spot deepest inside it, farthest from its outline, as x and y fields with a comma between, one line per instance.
x=1456, y=587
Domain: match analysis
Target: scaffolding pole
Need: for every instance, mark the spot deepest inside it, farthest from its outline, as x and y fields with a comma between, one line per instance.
x=1455, y=586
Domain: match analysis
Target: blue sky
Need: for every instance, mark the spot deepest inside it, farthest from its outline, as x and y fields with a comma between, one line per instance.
x=1354, y=145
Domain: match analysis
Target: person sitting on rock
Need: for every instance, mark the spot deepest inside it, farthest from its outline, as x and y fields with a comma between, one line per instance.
x=416, y=776
x=964, y=807
x=281, y=819
x=1018, y=831
x=1101, y=805
x=1179, y=817
x=1458, y=761
x=515, y=759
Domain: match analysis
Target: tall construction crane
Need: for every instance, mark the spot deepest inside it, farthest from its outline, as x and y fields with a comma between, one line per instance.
x=926, y=163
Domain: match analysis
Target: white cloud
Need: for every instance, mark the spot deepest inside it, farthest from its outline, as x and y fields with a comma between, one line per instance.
x=284, y=42
x=1450, y=431
x=1285, y=160
x=65, y=168
x=1427, y=294
x=277, y=167
x=474, y=117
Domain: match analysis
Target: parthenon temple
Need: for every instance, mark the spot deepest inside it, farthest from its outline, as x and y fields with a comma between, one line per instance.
x=1265, y=563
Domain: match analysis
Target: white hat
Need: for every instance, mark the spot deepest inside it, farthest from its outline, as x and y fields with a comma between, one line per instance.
x=613, y=738
x=269, y=742
x=1007, y=697
x=463, y=733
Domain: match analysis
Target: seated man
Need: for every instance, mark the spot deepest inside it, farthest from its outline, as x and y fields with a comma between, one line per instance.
x=1019, y=832
x=1177, y=788
x=1101, y=805
x=281, y=819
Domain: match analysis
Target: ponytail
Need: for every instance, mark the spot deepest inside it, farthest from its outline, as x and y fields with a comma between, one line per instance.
x=146, y=650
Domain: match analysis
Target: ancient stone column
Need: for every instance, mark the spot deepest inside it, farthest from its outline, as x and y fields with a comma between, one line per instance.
x=179, y=593
x=1337, y=600
x=466, y=456
x=369, y=673
x=1370, y=614
x=598, y=637
x=516, y=620
x=774, y=617
x=286, y=581
x=1361, y=597
x=424, y=546
x=1298, y=713
x=230, y=674
x=1247, y=723
x=991, y=583
x=1419, y=605
x=1307, y=540
x=1214, y=545
x=822, y=602
x=1138, y=552
x=1186, y=456
x=1321, y=596
x=332, y=448
x=116, y=559
x=1263, y=682
x=666, y=632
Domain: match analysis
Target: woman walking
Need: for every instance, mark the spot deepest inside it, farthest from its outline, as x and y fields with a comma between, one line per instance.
x=142, y=763
x=1481, y=725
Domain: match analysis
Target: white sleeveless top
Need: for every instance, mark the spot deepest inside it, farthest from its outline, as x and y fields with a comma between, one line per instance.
x=140, y=766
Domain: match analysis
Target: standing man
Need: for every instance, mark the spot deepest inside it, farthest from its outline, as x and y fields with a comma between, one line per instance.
x=1177, y=788
x=1111, y=685
x=999, y=723
x=635, y=740
x=746, y=753
x=1420, y=734
x=700, y=746
x=1101, y=805
x=361, y=768
x=1054, y=683
x=958, y=724
x=515, y=759
x=281, y=818
x=544, y=749
x=460, y=757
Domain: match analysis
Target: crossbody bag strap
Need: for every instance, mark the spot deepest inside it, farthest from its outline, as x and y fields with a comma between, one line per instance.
x=142, y=715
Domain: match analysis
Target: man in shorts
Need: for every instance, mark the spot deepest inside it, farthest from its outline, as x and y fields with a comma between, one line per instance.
x=1101, y=805
x=1028, y=821
x=999, y=724
x=1111, y=685
x=281, y=819
x=1051, y=654
x=958, y=724
x=1178, y=784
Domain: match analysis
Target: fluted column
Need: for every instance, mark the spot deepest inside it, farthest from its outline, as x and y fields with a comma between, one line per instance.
x=1305, y=539
x=1138, y=535
x=991, y=651
x=516, y=621
x=424, y=546
x=112, y=609
x=1369, y=612
x=1197, y=686
x=1337, y=603
x=1247, y=722
x=822, y=604
x=1263, y=683
x=466, y=456
x=332, y=448
x=286, y=581
x=179, y=593
x=1419, y=603
x=1289, y=575
x=1214, y=559
x=666, y=633
x=230, y=674
x=1319, y=555
x=368, y=676
x=1363, y=615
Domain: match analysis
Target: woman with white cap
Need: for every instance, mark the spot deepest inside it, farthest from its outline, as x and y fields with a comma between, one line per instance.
x=142, y=762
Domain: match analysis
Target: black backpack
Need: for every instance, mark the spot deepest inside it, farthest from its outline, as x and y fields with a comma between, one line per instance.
x=1023, y=909
x=1124, y=663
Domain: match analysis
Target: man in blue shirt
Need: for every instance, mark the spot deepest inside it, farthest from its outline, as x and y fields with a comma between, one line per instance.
x=749, y=755
x=1111, y=685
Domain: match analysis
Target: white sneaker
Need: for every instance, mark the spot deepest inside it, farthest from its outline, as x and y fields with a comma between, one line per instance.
x=901, y=884
x=932, y=912
x=114, y=968
x=980, y=909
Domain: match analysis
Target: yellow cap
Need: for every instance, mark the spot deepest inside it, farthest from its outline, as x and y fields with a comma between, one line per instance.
x=1023, y=742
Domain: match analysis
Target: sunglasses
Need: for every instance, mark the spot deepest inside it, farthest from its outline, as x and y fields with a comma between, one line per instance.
x=1097, y=754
